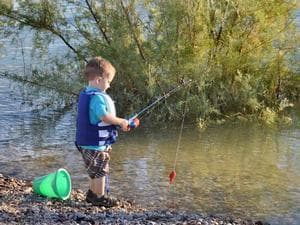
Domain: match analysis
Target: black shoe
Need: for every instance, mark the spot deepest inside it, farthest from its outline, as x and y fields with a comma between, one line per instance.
x=89, y=196
x=105, y=201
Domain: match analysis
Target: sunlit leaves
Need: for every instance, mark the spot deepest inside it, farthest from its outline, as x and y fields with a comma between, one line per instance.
x=240, y=54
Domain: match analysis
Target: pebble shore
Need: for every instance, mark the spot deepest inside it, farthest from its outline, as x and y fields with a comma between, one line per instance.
x=19, y=205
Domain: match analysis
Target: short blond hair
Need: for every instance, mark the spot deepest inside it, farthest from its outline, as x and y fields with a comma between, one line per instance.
x=97, y=67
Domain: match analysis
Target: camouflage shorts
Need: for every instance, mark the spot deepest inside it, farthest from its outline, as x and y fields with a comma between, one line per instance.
x=96, y=162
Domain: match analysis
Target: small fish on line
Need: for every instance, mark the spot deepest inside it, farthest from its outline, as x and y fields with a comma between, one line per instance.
x=172, y=176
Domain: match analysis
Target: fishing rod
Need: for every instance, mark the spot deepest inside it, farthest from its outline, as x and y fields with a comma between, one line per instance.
x=133, y=120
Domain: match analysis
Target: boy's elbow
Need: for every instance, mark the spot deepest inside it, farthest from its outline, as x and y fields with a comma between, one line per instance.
x=108, y=118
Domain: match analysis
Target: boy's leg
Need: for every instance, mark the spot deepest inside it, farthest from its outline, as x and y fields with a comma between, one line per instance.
x=97, y=186
x=97, y=168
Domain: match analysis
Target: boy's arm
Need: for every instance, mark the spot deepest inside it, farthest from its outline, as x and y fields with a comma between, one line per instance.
x=109, y=118
x=98, y=108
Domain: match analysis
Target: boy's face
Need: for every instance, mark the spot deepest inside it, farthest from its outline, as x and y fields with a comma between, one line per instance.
x=105, y=80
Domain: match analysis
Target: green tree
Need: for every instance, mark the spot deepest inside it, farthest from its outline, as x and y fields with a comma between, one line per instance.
x=239, y=53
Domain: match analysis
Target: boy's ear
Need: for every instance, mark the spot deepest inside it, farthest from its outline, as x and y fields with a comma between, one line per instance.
x=98, y=80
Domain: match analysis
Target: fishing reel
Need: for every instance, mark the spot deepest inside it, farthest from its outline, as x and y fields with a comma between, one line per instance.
x=133, y=122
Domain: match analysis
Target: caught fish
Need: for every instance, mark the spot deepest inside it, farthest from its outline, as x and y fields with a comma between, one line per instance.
x=172, y=176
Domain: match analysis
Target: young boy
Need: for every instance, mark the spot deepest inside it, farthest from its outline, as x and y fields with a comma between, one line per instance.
x=96, y=128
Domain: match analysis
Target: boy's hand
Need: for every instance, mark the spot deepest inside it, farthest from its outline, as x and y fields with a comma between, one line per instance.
x=111, y=119
x=125, y=125
x=134, y=123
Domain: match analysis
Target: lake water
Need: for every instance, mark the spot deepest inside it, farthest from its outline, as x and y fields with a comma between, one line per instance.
x=244, y=170
x=239, y=169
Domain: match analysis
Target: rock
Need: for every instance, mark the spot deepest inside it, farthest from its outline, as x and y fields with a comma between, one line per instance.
x=19, y=205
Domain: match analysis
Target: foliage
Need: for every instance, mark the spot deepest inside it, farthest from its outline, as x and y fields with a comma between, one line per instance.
x=240, y=54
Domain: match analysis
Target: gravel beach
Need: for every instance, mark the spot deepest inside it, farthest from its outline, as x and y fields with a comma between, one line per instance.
x=19, y=205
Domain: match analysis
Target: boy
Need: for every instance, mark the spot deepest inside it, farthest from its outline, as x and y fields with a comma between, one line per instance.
x=96, y=128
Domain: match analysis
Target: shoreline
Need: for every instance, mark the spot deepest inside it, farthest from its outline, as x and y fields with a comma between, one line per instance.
x=19, y=205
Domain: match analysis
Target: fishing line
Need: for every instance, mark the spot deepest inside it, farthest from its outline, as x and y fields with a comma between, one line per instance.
x=180, y=135
x=173, y=172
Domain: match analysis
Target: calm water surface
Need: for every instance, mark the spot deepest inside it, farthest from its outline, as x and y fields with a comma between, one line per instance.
x=243, y=170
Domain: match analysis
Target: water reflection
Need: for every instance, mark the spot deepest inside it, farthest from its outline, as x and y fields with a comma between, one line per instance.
x=240, y=169
x=245, y=170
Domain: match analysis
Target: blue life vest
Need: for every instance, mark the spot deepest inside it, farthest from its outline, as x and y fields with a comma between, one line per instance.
x=102, y=134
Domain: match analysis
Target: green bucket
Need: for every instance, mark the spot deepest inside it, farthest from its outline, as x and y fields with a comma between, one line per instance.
x=54, y=185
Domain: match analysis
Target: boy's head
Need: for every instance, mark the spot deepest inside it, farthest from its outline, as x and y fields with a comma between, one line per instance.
x=99, y=72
